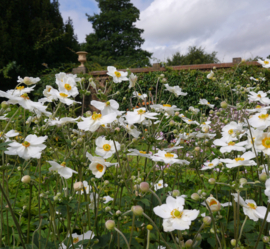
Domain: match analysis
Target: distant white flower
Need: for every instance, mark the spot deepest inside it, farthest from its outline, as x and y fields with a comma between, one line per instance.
x=132, y=80
x=62, y=121
x=105, y=148
x=189, y=121
x=107, y=199
x=139, y=95
x=267, y=189
x=62, y=97
x=166, y=107
x=259, y=108
x=229, y=146
x=194, y=110
x=211, y=165
x=205, y=126
x=232, y=131
x=86, y=187
x=167, y=157
x=265, y=63
x=160, y=185
x=262, y=143
x=9, y=134
x=176, y=90
x=31, y=147
x=61, y=169
x=259, y=96
x=134, y=152
x=20, y=90
x=175, y=217
x=28, y=80
x=98, y=165
x=210, y=75
x=77, y=238
x=205, y=102
x=68, y=85
x=240, y=160
x=260, y=120
x=107, y=107
x=118, y=76
x=252, y=78
x=130, y=129
x=139, y=115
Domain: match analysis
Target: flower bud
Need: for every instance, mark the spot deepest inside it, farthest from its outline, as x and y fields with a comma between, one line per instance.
x=162, y=76
x=197, y=149
x=265, y=239
x=207, y=220
x=4, y=105
x=263, y=177
x=199, y=237
x=171, y=123
x=243, y=181
x=107, y=209
x=106, y=182
x=26, y=179
x=78, y=186
x=88, y=114
x=110, y=224
x=137, y=210
x=55, y=198
x=188, y=243
x=195, y=197
x=118, y=212
x=212, y=181
x=144, y=186
x=233, y=242
x=149, y=227
x=213, y=204
x=117, y=129
x=175, y=193
x=27, y=81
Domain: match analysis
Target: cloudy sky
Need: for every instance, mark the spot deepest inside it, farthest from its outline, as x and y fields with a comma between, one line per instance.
x=232, y=28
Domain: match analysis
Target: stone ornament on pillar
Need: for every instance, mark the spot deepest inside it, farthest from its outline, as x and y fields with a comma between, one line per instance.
x=82, y=60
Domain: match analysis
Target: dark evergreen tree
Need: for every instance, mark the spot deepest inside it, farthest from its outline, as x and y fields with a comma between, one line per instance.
x=116, y=37
x=32, y=32
x=194, y=56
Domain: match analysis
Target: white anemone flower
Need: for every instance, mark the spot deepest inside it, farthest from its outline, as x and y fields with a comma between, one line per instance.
x=139, y=115
x=134, y=152
x=259, y=96
x=232, y=131
x=205, y=135
x=139, y=95
x=211, y=165
x=105, y=148
x=176, y=90
x=229, y=146
x=68, y=86
x=260, y=120
x=267, y=189
x=93, y=197
x=20, y=90
x=262, y=143
x=251, y=209
x=255, y=133
x=265, y=63
x=167, y=157
x=9, y=134
x=160, y=185
x=62, y=97
x=62, y=169
x=28, y=80
x=166, y=107
x=259, y=108
x=86, y=187
x=107, y=107
x=189, y=121
x=213, y=203
x=107, y=199
x=175, y=217
x=243, y=160
x=132, y=80
x=49, y=96
x=3, y=117
x=205, y=126
x=31, y=147
x=205, y=102
x=194, y=110
x=210, y=75
x=77, y=238
x=118, y=76
x=95, y=121
x=98, y=165
x=62, y=121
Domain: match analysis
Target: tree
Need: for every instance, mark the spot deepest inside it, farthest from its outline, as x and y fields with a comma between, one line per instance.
x=32, y=32
x=115, y=36
x=194, y=56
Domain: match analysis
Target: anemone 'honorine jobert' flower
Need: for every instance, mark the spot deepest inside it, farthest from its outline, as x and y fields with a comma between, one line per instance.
x=139, y=115
x=61, y=169
x=118, y=76
x=105, y=148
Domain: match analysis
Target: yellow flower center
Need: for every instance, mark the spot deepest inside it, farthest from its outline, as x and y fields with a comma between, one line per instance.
x=108, y=103
x=100, y=167
x=176, y=213
x=208, y=103
x=139, y=94
x=230, y=131
x=258, y=107
x=252, y=206
x=24, y=96
x=210, y=164
x=159, y=184
x=26, y=144
x=106, y=147
x=212, y=202
x=169, y=155
x=239, y=159
x=20, y=88
x=141, y=111
x=189, y=120
x=49, y=89
x=142, y=152
x=231, y=143
x=75, y=240
x=266, y=62
x=1, y=133
x=167, y=105
x=259, y=95
x=63, y=164
x=266, y=142
x=96, y=116
x=63, y=95
x=263, y=116
x=68, y=87
x=117, y=74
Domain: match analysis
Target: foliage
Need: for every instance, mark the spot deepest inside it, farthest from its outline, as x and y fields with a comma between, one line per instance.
x=194, y=56
x=116, y=37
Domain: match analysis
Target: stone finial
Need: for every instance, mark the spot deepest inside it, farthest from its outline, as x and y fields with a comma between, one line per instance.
x=82, y=57
x=237, y=60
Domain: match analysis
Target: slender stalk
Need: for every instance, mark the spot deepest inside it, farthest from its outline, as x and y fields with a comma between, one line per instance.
x=242, y=229
x=150, y=190
x=123, y=236
x=29, y=213
x=132, y=229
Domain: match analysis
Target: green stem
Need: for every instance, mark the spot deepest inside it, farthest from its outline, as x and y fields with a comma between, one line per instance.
x=29, y=213
x=123, y=236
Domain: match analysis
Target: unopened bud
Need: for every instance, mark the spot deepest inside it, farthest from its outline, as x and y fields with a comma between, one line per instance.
x=26, y=179
x=265, y=239
x=175, y=193
x=207, y=220
x=149, y=227
x=188, y=243
x=233, y=242
x=197, y=149
x=137, y=210
x=106, y=182
x=88, y=114
x=212, y=181
x=144, y=186
x=110, y=224
x=78, y=186
x=118, y=212
x=4, y=105
x=195, y=197
x=263, y=177
x=199, y=237
x=108, y=209
x=243, y=181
